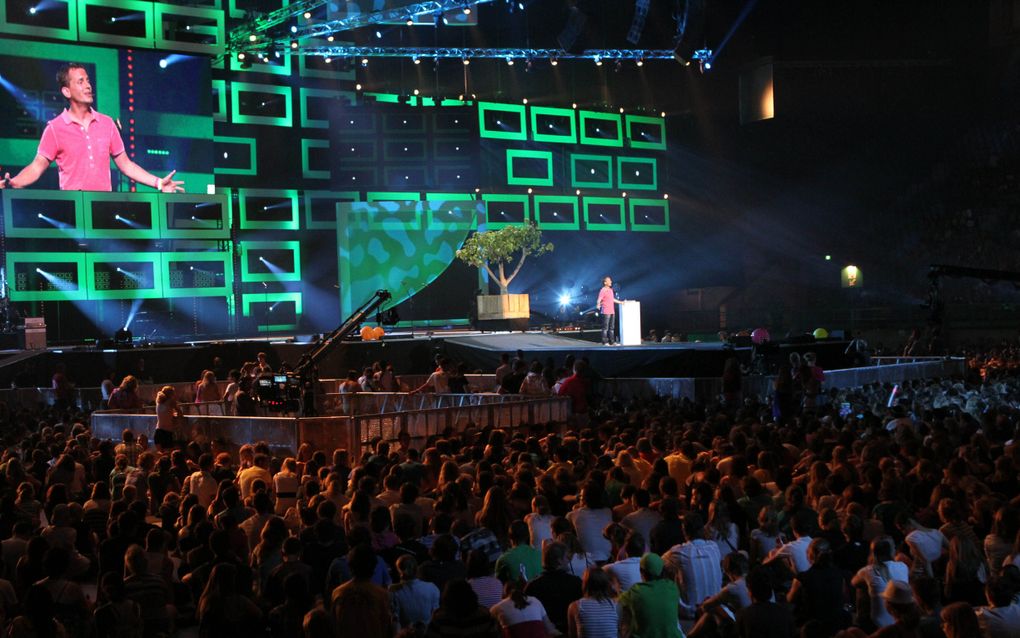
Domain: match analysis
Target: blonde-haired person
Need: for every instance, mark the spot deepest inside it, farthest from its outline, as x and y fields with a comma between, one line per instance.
x=167, y=415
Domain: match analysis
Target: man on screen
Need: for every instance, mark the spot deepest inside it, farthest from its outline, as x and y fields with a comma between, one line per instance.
x=606, y=304
x=82, y=141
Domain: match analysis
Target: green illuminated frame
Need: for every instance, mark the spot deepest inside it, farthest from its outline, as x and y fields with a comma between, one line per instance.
x=164, y=200
x=306, y=171
x=255, y=277
x=511, y=110
x=630, y=120
x=620, y=225
x=253, y=166
x=90, y=198
x=153, y=259
x=305, y=93
x=611, y=118
x=218, y=30
x=248, y=299
x=334, y=196
x=651, y=203
x=622, y=174
x=236, y=88
x=18, y=28
x=10, y=230
x=512, y=179
x=220, y=114
x=577, y=177
x=452, y=211
x=194, y=259
x=555, y=138
x=108, y=39
x=493, y=223
x=75, y=259
x=573, y=224
x=246, y=224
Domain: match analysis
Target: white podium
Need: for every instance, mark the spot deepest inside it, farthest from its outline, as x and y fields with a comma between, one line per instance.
x=630, y=323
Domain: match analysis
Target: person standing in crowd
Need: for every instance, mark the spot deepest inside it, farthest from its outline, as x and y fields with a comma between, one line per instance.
x=606, y=305
x=167, y=419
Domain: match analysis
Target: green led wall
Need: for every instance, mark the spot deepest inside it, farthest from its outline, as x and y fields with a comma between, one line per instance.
x=180, y=279
x=553, y=212
x=251, y=212
x=252, y=250
x=601, y=129
x=610, y=219
x=591, y=171
x=134, y=263
x=30, y=204
x=139, y=209
x=637, y=173
x=513, y=179
x=548, y=129
x=504, y=209
x=269, y=90
x=512, y=116
x=73, y=263
x=651, y=141
x=651, y=215
x=320, y=207
x=135, y=12
x=248, y=299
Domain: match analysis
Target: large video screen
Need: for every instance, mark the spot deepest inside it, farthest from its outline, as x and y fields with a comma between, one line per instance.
x=161, y=101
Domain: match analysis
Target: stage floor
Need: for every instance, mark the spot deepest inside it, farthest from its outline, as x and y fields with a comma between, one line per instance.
x=538, y=341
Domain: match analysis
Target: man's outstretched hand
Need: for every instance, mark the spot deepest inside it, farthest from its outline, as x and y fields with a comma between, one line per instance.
x=6, y=181
x=170, y=185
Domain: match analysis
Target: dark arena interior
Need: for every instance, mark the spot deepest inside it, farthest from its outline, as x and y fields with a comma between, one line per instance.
x=509, y=318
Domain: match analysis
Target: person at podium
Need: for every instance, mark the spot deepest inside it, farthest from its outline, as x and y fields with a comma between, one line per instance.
x=81, y=141
x=606, y=304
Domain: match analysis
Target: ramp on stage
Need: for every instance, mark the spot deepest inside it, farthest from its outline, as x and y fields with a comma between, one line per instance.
x=481, y=351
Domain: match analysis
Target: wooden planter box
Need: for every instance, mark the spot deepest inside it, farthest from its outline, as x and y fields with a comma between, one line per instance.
x=503, y=307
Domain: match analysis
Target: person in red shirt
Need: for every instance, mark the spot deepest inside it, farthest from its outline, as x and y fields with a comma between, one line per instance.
x=606, y=304
x=82, y=141
x=576, y=387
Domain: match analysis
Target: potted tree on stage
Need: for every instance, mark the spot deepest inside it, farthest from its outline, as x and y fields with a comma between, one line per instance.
x=498, y=249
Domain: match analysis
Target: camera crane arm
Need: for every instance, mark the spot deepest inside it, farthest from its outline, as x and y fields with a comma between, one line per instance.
x=327, y=343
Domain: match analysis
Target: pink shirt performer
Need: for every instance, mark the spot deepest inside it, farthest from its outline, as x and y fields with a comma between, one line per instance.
x=606, y=304
x=81, y=141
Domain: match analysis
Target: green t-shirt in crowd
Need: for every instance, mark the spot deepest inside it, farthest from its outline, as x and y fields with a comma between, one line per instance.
x=523, y=560
x=653, y=609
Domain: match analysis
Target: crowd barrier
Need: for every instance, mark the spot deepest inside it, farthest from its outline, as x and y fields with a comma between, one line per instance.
x=433, y=416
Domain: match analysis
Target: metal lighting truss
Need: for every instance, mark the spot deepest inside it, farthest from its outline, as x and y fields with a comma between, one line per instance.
x=240, y=38
x=470, y=53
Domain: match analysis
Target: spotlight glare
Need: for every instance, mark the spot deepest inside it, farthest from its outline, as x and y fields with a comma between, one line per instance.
x=253, y=38
x=554, y=62
x=378, y=34
x=293, y=44
x=162, y=63
x=662, y=114
x=241, y=56
x=308, y=15
x=509, y=61
x=330, y=39
x=293, y=29
x=416, y=92
x=564, y=299
x=364, y=61
x=357, y=87
x=467, y=11
x=525, y=100
x=32, y=11
x=417, y=60
x=640, y=62
x=665, y=196
x=574, y=105
x=410, y=22
x=465, y=61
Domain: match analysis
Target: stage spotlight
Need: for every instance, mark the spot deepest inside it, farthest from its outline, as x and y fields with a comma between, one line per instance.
x=662, y=114
x=564, y=299
x=410, y=22
x=530, y=190
x=416, y=92
x=640, y=62
x=417, y=60
x=378, y=35
x=293, y=28
x=162, y=63
x=241, y=56
x=525, y=100
x=32, y=10
x=330, y=38
x=708, y=66
x=293, y=44
x=554, y=61
x=598, y=61
x=465, y=60
x=467, y=11
x=253, y=38
x=578, y=191
x=621, y=109
x=123, y=336
x=574, y=106
x=624, y=193
x=364, y=61
x=308, y=15
x=328, y=60
x=665, y=196
x=509, y=61
x=357, y=87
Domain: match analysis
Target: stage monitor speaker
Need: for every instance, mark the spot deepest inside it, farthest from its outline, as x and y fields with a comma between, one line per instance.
x=35, y=333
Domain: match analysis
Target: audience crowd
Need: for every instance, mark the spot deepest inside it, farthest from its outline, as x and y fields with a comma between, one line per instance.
x=657, y=518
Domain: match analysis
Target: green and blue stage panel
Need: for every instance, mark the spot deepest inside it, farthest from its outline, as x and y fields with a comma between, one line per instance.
x=59, y=21
x=504, y=209
x=124, y=276
x=120, y=215
x=193, y=216
x=315, y=105
x=637, y=173
x=556, y=212
x=604, y=213
x=268, y=209
x=43, y=214
x=314, y=159
x=46, y=276
x=529, y=168
x=502, y=121
x=235, y=155
x=650, y=215
x=402, y=257
x=591, y=171
x=389, y=210
x=123, y=23
x=601, y=129
x=647, y=133
x=453, y=211
x=268, y=261
x=193, y=29
x=321, y=207
x=273, y=311
x=557, y=126
x=267, y=104
x=197, y=274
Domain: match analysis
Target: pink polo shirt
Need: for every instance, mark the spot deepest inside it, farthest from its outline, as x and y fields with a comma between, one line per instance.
x=605, y=303
x=83, y=157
